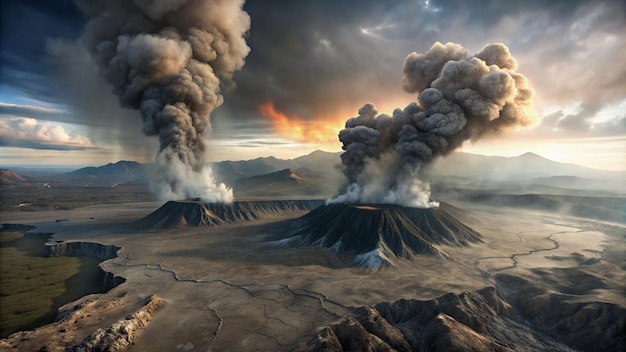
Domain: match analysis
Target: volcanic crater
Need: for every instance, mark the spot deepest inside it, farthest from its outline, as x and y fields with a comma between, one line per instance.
x=376, y=235
x=371, y=235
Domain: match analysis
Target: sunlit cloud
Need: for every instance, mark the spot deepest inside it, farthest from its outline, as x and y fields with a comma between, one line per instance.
x=22, y=132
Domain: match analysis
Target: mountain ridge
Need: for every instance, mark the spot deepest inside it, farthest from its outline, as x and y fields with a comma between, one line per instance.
x=321, y=165
x=10, y=177
x=526, y=165
x=516, y=314
x=286, y=182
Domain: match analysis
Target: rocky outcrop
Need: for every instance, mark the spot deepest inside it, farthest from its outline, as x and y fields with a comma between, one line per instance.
x=123, y=333
x=444, y=333
x=377, y=234
x=526, y=317
x=106, y=280
x=194, y=212
x=76, y=249
x=582, y=325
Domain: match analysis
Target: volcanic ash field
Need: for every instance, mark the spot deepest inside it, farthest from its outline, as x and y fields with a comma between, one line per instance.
x=303, y=275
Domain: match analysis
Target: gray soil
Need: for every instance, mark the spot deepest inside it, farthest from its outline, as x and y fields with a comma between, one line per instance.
x=226, y=288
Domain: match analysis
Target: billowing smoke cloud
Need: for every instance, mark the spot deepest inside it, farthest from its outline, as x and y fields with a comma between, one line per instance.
x=461, y=97
x=169, y=59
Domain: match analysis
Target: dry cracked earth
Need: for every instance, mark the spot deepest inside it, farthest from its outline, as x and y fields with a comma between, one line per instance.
x=537, y=281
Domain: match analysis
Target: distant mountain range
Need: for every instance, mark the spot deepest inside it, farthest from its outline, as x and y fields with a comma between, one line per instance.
x=284, y=183
x=317, y=164
x=119, y=172
x=498, y=168
x=318, y=174
x=8, y=177
x=527, y=173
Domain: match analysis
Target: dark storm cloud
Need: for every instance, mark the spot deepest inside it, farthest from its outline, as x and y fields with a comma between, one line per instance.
x=311, y=58
x=25, y=27
x=39, y=60
x=91, y=103
x=306, y=53
x=571, y=54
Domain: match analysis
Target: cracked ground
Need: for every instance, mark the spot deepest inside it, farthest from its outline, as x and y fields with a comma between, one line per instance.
x=228, y=289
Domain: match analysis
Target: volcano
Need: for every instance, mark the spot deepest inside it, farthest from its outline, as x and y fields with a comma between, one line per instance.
x=195, y=212
x=377, y=234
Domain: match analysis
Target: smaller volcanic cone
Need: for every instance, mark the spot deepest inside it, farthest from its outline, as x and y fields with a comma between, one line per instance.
x=195, y=212
x=376, y=235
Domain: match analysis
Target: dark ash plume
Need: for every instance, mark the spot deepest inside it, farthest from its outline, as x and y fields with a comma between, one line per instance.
x=461, y=97
x=168, y=59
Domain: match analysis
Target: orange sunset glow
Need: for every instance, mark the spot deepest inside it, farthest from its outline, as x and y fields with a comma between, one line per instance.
x=322, y=131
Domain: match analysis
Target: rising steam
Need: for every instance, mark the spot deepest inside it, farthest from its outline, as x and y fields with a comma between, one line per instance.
x=461, y=97
x=168, y=59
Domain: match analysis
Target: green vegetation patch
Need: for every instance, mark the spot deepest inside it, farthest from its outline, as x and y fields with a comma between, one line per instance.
x=32, y=287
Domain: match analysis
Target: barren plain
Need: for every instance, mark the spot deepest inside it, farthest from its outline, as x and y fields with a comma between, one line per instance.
x=227, y=288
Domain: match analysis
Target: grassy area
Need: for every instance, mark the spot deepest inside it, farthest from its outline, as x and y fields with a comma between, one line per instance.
x=32, y=287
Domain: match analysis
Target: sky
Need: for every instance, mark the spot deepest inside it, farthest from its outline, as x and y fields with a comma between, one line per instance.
x=312, y=64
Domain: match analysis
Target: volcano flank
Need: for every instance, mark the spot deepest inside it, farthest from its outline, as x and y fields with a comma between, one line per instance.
x=377, y=234
x=195, y=212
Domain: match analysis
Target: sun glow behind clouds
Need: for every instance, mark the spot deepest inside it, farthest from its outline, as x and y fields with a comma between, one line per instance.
x=321, y=131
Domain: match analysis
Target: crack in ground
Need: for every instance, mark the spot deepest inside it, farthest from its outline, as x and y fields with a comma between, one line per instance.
x=220, y=323
x=273, y=338
x=321, y=298
x=220, y=320
x=269, y=317
x=324, y=302
x=513, y=257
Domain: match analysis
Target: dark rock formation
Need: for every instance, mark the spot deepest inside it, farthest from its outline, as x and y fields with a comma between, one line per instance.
x=524, y=317
x=194, y=212
x=76, y=249
x=107, y=280
x=581, y=324
x=443, y=333
x=377, y=234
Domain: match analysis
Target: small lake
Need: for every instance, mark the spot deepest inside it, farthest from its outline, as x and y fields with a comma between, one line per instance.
x=33, y=287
